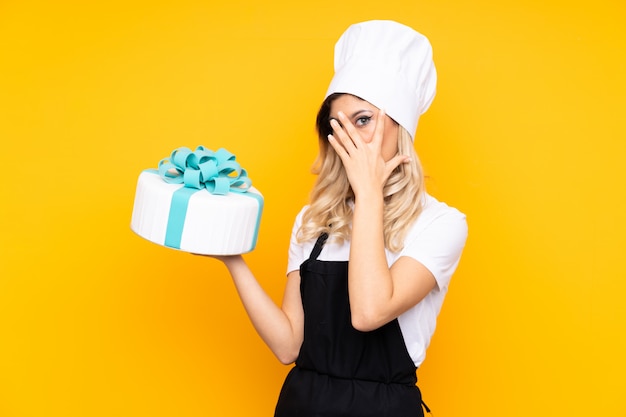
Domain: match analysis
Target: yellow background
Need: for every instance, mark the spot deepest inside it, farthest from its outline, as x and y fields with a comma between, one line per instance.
x=526, y=136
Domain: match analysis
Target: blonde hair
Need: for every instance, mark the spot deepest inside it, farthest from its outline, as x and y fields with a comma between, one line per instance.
x=330, y=208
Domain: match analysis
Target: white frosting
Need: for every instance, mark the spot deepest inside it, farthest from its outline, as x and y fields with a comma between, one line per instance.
x=214, y=224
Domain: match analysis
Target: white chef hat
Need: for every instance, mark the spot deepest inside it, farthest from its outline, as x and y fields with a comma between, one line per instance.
x=389, y=65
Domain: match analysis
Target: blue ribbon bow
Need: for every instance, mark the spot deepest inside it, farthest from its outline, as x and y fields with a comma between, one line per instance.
x=218, y=171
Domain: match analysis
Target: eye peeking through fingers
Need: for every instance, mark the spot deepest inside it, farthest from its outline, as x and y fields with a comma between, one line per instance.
x=362, y=121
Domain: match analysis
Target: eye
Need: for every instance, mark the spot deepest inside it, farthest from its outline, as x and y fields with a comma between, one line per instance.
x=362, y=121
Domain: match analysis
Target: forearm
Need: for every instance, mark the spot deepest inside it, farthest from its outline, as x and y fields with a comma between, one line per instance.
x=269, y=320
x=369, y=280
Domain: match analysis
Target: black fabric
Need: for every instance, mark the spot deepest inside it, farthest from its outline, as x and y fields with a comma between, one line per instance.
x=341, y=371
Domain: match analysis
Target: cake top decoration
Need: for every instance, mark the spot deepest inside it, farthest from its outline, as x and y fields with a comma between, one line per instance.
x=217, y=171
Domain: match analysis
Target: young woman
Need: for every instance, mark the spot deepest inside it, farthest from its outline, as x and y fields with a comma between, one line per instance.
x=371, y=256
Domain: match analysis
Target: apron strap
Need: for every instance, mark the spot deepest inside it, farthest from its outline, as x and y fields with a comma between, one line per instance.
x=319, y=244
x=426, y=408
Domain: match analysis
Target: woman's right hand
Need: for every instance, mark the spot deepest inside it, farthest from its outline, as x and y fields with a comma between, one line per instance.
x=362, y=158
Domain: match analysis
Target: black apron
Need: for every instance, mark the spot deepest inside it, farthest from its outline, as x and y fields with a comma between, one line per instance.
x=341, y=371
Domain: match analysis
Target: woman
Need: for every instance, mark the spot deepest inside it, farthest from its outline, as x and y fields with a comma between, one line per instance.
x=372, y=254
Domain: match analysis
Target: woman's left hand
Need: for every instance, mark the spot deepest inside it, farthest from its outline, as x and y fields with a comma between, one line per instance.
x=365, y=166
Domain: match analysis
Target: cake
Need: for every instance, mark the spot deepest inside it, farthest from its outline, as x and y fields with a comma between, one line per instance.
x=200, y=202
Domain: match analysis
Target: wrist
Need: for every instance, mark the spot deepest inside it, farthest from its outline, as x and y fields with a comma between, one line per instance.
x=369, y=197
x=232, y=261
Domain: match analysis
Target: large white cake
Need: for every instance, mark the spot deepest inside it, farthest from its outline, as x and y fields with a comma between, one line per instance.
x=198, y=218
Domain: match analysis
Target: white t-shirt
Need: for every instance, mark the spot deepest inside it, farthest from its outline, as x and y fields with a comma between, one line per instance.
x=436, y=240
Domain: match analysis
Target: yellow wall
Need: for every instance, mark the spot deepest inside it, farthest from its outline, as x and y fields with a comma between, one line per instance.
x=526, y=136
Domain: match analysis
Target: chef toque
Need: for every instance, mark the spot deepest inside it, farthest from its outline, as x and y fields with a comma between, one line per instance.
x=389, y=65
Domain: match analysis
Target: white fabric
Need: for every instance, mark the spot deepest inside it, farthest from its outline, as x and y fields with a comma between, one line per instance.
x=389, y=65
x=436, y=240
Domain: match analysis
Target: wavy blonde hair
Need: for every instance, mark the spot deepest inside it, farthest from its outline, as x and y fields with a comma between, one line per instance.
x=330, y=208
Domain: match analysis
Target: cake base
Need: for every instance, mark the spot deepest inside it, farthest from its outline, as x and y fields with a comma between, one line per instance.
x=195, y=220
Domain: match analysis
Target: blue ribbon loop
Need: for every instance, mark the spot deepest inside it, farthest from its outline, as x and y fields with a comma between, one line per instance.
x=217, y=172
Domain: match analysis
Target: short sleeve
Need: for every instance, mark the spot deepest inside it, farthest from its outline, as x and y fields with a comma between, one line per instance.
x=296, y=250
x=437, y=240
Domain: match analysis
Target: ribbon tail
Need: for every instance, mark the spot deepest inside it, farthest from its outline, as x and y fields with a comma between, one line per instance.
x=259, y=199
x=176, y=217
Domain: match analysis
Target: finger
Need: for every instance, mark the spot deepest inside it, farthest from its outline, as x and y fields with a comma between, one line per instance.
x=380, y=127
x=339, y=149
x=395, y=162
x=342, y=136
x=349, y=128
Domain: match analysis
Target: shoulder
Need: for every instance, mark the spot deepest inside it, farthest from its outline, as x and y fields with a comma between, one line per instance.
x=437, y=215
x=435, y=209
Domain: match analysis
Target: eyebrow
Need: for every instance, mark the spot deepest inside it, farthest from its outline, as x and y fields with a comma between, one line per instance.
x=355, y=114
